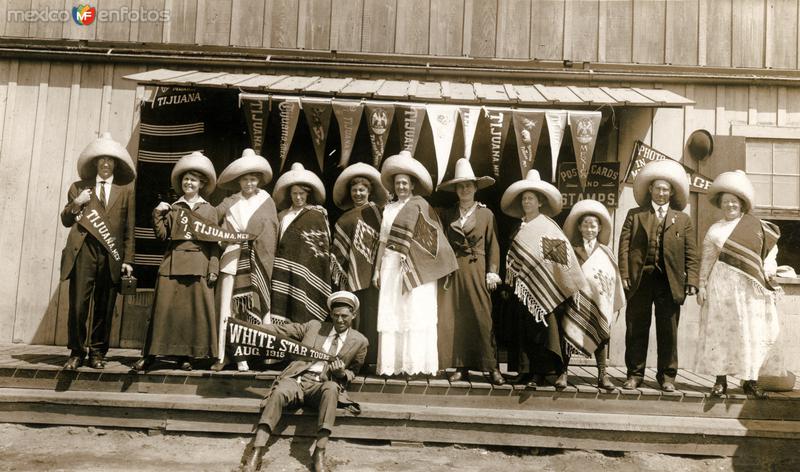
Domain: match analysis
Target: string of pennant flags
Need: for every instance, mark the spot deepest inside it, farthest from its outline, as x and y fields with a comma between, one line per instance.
x=442, y=118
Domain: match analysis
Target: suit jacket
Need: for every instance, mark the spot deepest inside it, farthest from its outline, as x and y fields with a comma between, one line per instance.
x=198, y=258
x=680, y=249
x=313, y=334
x=119, y=215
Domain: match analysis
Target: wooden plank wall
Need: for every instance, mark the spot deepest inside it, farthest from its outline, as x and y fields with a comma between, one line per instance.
x=737, y=33
x=49, y=111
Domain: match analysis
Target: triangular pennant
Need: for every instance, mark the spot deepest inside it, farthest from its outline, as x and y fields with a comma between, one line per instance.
x=318, y=116
x=583, y=126
x=410, y=118
x=443, y=124
x=379, y=122
x=499, y=122
x=256, y=112
x=528, y=128
x=289, y=110
x=348, y=115
x=469, y=123
x=556, y=124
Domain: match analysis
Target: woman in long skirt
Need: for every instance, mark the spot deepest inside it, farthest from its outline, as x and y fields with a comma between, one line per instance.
x=413, y=254
x=465, y=335
x=183, y=321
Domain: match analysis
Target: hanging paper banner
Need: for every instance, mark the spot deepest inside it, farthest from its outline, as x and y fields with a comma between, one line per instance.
x=556, y=124
x=528, y=128
x=348, y=115
x=499, y=122
x=289, y=110
x=469, y=123
x=257, y=116
x=411, y=116
x=379, y=121
x=318, y=116
x=583, y=126
x=443, y=123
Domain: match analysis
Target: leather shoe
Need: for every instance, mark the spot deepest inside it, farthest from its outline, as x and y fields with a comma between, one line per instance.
x=667, y=386
x=96, y=363
x=143, y=364
x=73, y=363
x=751, y=387
x=186, y=364
x=496, y=377
x=561, y=381
x=319, y=460
x=719, y=389
x=605, y=382
x=632, y=383
x=456, y=376
x=251, y=461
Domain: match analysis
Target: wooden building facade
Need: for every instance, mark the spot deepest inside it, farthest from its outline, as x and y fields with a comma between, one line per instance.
x=62, y=83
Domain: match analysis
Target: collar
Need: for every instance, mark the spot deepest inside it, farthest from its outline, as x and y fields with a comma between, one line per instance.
x=196, y=202
x=342, y=336
x=656, y=207
x=109, y=180
x=586, y=242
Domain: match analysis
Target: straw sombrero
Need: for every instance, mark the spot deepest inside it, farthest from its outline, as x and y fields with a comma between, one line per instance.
x=551, y=205
x=665, y=169
x=588, y=207
x=403, y=163
x=124, y=170
x=297, y=175
x=464, y=173
x=249, y=163
x=735, y=182
x=197, y=162
x=341, y=188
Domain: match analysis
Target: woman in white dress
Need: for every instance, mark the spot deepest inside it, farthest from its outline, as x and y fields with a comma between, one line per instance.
x=412, y=255
x=739, y=323
x=246, y=270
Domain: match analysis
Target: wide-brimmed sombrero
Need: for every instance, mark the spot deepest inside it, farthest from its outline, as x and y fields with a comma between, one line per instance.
x=665, y=169
x=249, y=163
x=341, y=188
x=197, y=162
x=735, y=182
x=124, y=170
x=297, y=175
x=464, y=173
x=551, y=204
x=588, y=207
x=403, y=163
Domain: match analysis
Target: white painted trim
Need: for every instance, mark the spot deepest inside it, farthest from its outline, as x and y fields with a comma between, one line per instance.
x=761, y=131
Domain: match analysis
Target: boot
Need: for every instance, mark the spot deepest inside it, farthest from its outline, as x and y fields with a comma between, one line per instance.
x=319, y=460
x=603, y=379
x=251, y=461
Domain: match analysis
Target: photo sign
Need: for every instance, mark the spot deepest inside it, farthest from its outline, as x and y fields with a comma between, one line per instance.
x=644, y=154
x=602, y=184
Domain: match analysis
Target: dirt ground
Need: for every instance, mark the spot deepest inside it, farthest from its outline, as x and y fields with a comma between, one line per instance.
x=27, y=448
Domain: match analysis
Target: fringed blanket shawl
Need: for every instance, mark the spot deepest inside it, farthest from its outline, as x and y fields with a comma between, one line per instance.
x=748, y=246
x=355, y=244
x=301, y=278
x=542, y=268
x=417, y=234
x=253, y=259
x=587, y=321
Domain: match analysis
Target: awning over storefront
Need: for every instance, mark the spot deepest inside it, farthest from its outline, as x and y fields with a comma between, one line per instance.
x=477, y=93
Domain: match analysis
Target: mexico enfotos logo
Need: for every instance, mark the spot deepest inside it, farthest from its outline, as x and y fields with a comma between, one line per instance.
x=85, y=15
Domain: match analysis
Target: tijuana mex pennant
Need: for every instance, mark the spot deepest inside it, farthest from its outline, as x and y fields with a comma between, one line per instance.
x=188, y=225
x=93, y=219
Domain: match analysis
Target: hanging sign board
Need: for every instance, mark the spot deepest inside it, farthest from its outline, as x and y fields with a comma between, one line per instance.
x=602, y=183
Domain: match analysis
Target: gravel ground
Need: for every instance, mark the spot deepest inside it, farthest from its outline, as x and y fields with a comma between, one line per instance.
x=30, y=448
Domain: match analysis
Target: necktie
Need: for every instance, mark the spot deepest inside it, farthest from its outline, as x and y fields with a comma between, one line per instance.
x=103, y=193
x=334, y=345
x=660, y=213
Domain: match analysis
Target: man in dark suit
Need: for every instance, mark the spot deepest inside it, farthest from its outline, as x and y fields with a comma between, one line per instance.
x=100, y=212
x=659, y=266
x=319, y=384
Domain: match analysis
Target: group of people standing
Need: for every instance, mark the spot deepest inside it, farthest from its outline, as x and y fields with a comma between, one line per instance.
x=423, y=277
